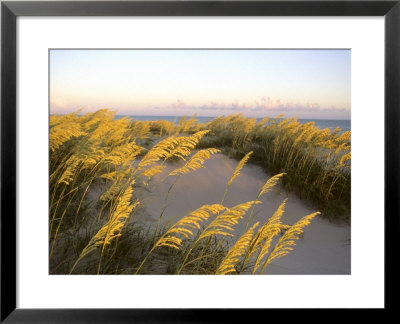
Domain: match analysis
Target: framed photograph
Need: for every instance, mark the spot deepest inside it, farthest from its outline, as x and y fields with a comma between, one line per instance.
x=185, y=161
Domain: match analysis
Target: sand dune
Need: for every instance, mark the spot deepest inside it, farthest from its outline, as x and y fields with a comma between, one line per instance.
x=324, y=249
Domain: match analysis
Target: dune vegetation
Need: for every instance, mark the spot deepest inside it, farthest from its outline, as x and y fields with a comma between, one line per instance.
x=97, y=163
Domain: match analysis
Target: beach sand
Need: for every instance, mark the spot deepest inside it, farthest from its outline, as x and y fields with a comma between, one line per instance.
x=324, y=248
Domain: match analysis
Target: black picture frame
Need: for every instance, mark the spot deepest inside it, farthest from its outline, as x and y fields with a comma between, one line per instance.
x=10, y=10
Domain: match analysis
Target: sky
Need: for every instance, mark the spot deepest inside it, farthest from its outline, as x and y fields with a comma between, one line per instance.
x=257, y=83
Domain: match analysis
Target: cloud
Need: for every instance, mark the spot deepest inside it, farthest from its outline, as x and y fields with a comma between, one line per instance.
x=59, y=104
x=238, y=105
x=234, y=106
x=267, y=103
x=274, y=105
x=213, y=105
x=261, y=106
x=179, y=104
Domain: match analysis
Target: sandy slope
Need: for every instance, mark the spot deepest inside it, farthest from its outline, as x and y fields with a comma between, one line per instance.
x=324, y=249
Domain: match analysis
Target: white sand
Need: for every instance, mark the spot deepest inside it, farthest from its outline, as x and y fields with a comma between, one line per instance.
x=324, y=248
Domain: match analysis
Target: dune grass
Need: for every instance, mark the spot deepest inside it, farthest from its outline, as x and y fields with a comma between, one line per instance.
x=317, y=162
x=97, y=163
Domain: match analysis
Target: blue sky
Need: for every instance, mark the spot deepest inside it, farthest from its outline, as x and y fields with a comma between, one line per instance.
x=257, y=83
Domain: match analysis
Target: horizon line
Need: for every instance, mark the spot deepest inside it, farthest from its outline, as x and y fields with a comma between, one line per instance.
x=283, y=117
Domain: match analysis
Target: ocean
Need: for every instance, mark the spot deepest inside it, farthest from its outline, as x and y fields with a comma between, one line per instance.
x=345, y=125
